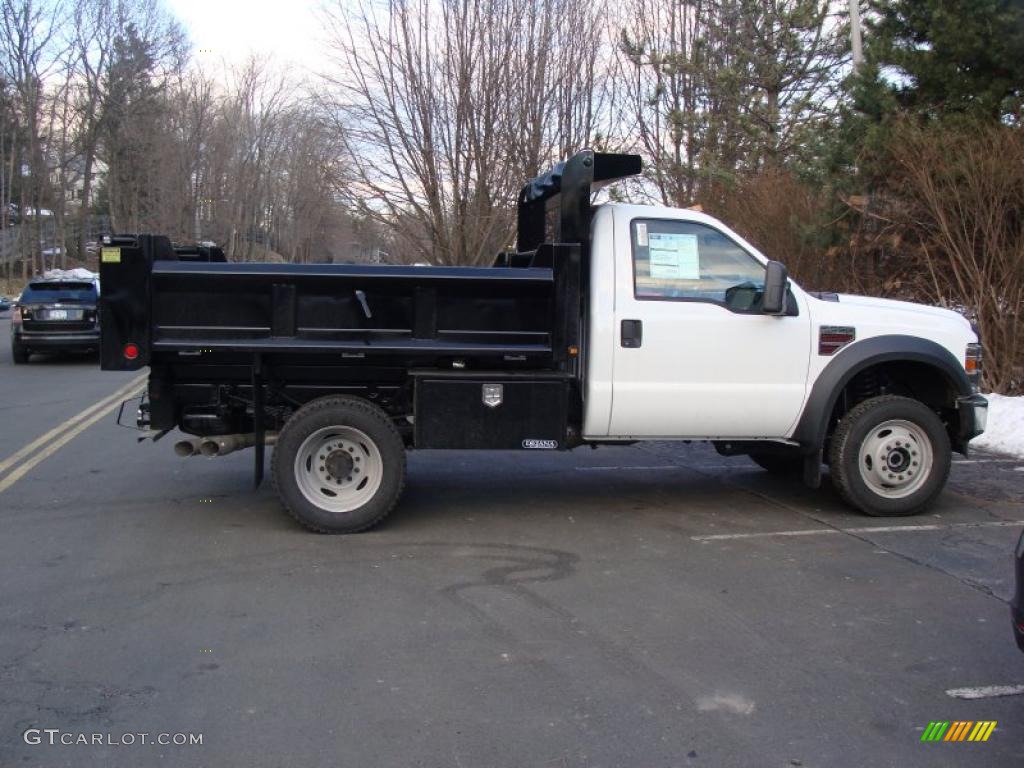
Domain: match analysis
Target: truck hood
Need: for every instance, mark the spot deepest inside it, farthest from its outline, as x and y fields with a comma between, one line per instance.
x=906, y=311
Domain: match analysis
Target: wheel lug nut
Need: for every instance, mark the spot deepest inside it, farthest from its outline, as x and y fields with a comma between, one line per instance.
x=349, y=478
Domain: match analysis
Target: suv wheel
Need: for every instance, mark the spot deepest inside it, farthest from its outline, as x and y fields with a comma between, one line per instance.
x=19, y=353
x=890, y=456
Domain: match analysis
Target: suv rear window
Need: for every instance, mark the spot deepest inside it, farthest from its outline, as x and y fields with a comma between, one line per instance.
x=59, y=291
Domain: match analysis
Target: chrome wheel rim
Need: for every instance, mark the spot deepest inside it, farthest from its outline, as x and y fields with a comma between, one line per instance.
x=895, y=458
x=338, y=469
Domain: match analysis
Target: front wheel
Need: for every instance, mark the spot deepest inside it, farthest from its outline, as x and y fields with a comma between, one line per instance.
x=890, y=456
x=339, y=465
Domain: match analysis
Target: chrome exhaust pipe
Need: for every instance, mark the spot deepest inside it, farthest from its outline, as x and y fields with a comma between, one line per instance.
x=222, y=445
x=189, y=447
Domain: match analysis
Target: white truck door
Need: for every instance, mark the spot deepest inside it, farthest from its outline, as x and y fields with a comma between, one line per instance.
x=693, y=355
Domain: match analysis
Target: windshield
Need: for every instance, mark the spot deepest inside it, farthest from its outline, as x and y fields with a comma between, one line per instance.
x=59, y=291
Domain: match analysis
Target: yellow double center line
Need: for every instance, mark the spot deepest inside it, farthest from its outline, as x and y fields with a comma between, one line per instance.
x=60, y=436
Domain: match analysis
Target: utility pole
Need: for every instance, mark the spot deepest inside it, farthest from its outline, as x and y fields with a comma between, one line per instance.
x=855, y=42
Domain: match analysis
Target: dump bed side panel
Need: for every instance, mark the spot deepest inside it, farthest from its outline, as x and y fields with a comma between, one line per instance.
x=287, y=308
x=169, y=308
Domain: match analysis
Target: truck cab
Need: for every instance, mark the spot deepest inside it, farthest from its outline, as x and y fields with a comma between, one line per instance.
x=607, y=324
x=682, y=347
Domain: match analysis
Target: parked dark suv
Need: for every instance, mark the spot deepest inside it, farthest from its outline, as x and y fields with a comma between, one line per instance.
x=55, y=315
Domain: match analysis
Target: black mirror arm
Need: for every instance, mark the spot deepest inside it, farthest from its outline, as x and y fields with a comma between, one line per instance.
x=776, y=289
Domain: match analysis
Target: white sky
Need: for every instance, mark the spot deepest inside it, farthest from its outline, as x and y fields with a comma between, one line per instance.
x=286, y=31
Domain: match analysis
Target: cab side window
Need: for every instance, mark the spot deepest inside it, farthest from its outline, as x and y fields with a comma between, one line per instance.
x=685, y=260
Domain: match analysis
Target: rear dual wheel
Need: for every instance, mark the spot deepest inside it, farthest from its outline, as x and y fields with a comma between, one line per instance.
x=339, y=465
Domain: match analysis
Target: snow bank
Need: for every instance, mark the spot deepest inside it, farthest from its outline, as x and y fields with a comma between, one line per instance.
x=78, y=273
x=1005, y=430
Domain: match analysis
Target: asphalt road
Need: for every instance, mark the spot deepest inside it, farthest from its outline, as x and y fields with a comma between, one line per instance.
x=647, y=606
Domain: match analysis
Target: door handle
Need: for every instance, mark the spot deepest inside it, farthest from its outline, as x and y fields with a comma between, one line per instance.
x=632, y=335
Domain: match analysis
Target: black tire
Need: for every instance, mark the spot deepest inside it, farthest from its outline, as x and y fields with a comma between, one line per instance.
x=342, y=412
x=19, y=353
x=783, y=464
x=858, y=426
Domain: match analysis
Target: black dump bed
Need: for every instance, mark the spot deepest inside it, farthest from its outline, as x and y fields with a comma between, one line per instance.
x=421, y=315
x=164, y=305
x=235, y=347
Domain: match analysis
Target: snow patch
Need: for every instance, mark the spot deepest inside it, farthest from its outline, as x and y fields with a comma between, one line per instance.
x=726, y=702
x=78, y=273
x=986, y=691
x=1005, y=430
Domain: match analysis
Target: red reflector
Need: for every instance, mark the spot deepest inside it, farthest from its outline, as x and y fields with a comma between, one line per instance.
x=832, y=338
x=131, y=351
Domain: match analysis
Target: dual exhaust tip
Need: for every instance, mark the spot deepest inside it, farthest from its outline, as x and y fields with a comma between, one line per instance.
x=219, y=445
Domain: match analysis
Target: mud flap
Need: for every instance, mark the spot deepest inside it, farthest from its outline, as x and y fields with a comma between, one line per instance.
x=812, y=469
x=257, y=419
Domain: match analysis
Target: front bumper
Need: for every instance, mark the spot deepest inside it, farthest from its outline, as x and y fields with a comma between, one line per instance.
x=1018, y=626
x=67, y=340
x=973, y=413
x=1017, y=604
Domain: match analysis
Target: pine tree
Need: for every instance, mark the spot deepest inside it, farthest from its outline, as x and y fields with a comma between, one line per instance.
x=944, y=58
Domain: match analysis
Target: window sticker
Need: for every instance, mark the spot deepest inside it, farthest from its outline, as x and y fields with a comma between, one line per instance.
x=641, y=234
x=674, y=256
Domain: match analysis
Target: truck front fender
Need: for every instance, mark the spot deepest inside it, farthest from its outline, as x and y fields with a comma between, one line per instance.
x=812, y=428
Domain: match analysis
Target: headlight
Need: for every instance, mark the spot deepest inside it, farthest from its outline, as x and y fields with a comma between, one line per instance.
x=973, y=365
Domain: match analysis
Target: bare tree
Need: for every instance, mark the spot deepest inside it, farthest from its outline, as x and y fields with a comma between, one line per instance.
x=311, y=174
x=247, y=148
x=59, y=151
x=447, y=106
x=960, y=195
x=192, y=118
x=96, y=24
x=9, y=133
x=28, y=31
